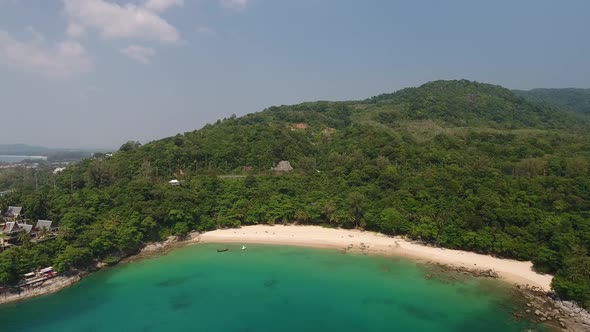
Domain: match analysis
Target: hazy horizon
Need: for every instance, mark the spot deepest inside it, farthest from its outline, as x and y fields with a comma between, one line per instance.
x=90, y=74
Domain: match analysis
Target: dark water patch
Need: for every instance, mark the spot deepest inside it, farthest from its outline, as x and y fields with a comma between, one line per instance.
x=379, y=301
x=422, y=314
x=180, y=302
x=178, y=281
x=271, y=283
x=172, y=282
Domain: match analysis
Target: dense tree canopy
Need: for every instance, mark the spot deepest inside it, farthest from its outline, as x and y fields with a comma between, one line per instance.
x=455, y=163
x=576, y=100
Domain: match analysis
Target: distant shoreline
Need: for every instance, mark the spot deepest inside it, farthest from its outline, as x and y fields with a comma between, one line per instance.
x=512, y=271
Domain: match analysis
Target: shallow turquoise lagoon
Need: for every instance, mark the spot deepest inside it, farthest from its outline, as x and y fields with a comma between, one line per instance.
x=270, y=288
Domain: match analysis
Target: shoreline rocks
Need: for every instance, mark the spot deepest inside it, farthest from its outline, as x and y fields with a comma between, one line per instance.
x=50, y=286
x=549, y=309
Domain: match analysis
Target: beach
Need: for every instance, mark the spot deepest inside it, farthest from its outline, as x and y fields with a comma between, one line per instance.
x=512, y=271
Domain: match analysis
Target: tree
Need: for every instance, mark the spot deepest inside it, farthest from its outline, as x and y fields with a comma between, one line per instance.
x=180, y=229
x=392, y=222
x=573, y=280
x=130, y=146
x=43, y=233
x=71, y=257
x=356, y=206
x=301, y=216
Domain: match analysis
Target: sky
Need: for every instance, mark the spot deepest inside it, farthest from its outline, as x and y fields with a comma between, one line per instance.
x=97, y=73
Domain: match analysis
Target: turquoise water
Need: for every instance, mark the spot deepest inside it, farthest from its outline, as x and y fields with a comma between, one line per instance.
x=269, y=288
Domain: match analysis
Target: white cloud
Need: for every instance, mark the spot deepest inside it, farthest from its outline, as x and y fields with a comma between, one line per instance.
x=234, y=4
x=139, y=53
x=36, y=34
x=121, y=21
x=61, y=59
x=75, y=30
x=206, y=31
x=162, y=5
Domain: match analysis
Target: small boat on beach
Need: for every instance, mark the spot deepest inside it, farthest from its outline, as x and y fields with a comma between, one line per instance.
x=222, y=249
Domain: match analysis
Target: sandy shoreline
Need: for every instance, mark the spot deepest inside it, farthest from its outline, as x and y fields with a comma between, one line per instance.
x=515, y=272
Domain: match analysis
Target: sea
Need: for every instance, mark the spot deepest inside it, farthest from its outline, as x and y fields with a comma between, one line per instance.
x=271, y=288
x=16, y=159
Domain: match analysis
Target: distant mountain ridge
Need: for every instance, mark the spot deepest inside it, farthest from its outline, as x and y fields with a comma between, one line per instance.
x=572, y=99
x=31, y=150
x=22, y=149
x=467, y=103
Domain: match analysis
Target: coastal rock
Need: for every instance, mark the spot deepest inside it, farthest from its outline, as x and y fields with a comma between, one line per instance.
x=48, y=287
x=158, y=246
x=547, y=307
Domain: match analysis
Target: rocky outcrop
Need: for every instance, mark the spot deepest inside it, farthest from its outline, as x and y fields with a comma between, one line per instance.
x=157, y=247
x=573, y=318
x=283, y=166
x=549, y=309
x=49, y=286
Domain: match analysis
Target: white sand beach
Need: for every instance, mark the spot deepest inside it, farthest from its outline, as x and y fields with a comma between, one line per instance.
x=515, y=272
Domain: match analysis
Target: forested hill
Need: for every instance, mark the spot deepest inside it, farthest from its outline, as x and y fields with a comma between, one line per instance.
x=576, y=100
x=454, y=163
x=400, y=123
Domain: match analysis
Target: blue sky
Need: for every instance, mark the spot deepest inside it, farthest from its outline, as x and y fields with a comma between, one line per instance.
x=96, y=73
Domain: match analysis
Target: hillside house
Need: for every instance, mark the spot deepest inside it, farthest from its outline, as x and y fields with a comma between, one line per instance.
x=44, y=225
x=11, y=231
x=59, y=170
x=13, y=213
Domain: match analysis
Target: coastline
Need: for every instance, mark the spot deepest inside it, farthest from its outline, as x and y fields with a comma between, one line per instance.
x=534, y=288
x=515, y=272
x=50, y=286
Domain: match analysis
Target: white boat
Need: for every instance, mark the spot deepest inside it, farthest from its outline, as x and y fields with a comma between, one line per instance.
x=243, y=247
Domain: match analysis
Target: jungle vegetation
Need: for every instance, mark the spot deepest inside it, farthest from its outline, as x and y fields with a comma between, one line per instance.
x=457, y=164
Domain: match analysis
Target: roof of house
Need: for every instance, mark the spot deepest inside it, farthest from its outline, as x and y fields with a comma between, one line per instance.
x=28, y=228
x=15, y=227
x=44, y=224
x=47, y=269
x=14, y=210
x=59, y=170
x=11, y=227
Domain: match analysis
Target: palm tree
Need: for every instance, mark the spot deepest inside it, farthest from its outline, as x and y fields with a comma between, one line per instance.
x=23, y=237
x=356, y=206
x=43, y=233
x=65, y=232
x=301, y=216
